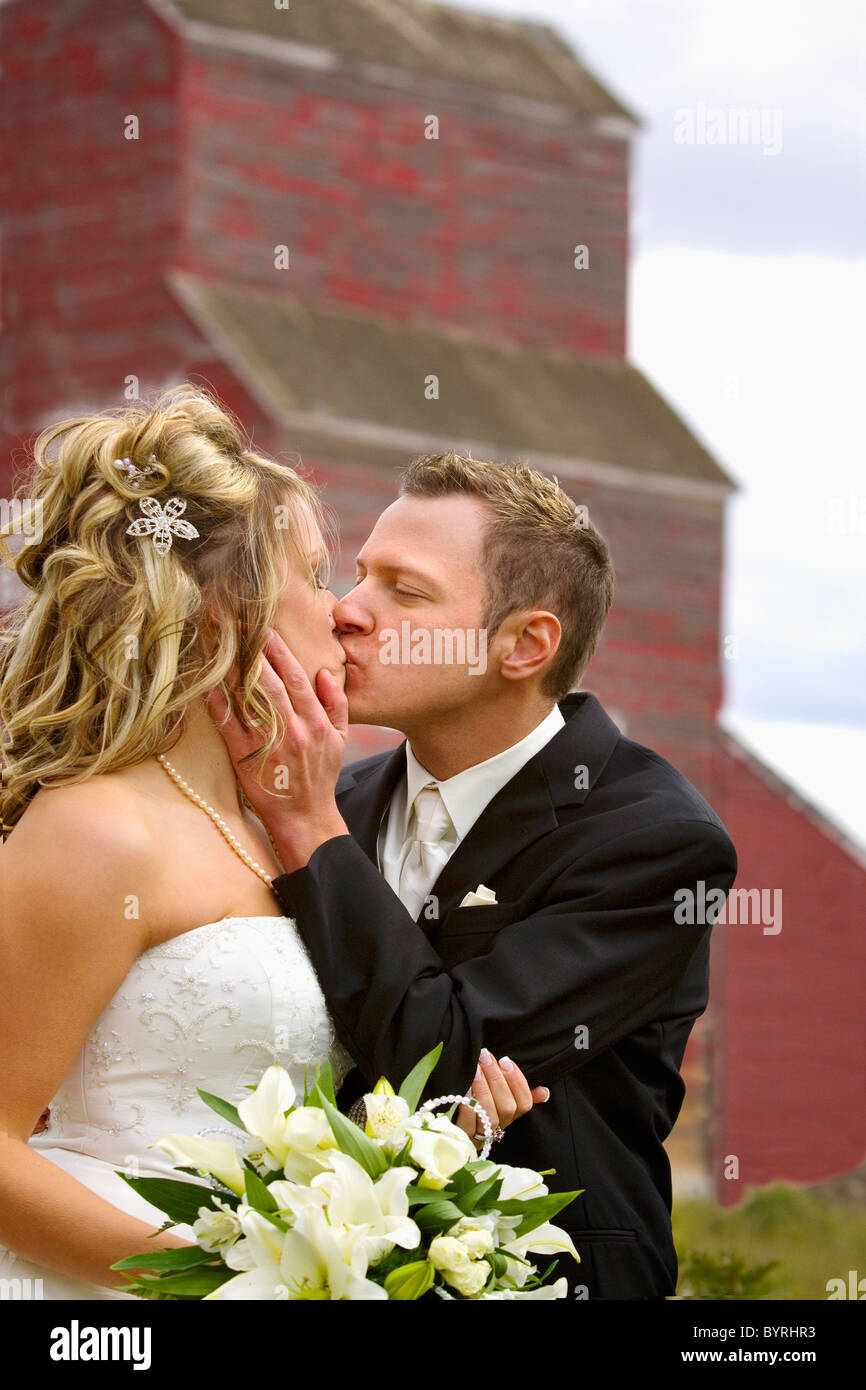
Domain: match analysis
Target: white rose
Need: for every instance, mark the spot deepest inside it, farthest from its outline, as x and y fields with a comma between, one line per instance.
x=476, y=1238
x=470, y=1280
x=448, y=1254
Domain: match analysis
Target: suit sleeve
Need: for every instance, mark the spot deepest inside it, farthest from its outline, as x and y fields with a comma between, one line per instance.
x=604, y=954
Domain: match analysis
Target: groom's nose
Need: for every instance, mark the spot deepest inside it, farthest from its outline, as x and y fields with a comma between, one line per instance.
x=351, y=613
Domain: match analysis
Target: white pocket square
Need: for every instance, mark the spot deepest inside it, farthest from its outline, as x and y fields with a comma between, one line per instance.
x=482, y=897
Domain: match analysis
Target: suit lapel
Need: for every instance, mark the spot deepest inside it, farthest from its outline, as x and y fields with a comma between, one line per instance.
x=365, y=797
x=526, y=807
x=563, y=773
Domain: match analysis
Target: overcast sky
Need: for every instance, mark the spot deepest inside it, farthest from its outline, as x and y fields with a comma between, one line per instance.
x=747, y=299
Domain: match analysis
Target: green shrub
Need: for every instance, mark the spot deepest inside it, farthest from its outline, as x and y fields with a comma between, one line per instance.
x=782, y=1241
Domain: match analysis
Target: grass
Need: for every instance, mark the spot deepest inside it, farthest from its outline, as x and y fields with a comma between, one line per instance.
x=781, y=1242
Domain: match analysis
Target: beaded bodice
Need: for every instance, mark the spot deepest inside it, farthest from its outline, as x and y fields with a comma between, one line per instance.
x=209, y=1009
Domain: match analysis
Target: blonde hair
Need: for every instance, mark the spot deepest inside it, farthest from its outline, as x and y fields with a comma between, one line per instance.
x=100, y=661
x=540, y=550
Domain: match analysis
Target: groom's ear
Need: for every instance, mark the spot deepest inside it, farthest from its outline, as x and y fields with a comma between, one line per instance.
x=530, y=642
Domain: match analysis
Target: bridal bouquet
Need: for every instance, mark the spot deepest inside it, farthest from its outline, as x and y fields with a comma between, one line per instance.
x=307, y=1205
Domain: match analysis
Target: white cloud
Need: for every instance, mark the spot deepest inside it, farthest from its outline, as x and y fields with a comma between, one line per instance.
x=764, y=358
x=747, y=310
x=826, y=764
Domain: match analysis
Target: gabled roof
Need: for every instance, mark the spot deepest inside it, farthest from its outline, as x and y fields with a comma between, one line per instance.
x=338, y=369
x=508, y=55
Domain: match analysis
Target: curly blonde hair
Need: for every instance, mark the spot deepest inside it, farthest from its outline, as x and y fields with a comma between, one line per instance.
x=102, y=658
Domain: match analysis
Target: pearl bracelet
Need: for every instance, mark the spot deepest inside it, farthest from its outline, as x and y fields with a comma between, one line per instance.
x=477, y=1107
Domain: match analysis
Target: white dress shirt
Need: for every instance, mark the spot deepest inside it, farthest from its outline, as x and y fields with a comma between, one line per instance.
x=465, y=795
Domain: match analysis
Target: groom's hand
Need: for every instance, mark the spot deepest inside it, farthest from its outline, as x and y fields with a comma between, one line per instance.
x=292, y=788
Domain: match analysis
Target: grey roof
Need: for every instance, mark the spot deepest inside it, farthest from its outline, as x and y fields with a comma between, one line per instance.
x=508, y=55
x=341, y=367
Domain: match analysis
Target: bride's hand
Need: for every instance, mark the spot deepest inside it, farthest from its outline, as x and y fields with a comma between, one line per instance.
x=503, y=1091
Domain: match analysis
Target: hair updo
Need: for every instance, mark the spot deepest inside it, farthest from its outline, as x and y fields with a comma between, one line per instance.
x=100, y=661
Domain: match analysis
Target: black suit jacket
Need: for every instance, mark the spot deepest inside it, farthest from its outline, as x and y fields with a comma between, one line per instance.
x=580, y=971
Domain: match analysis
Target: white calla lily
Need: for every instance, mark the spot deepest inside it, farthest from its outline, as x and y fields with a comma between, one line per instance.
x=263, y=1112
x=547, y=1291
x=520, y=1184
x=546, y=1239
x=214, y=1156
x=439, y=1147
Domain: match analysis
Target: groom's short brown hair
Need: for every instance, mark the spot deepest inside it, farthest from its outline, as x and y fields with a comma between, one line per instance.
x=540, y=551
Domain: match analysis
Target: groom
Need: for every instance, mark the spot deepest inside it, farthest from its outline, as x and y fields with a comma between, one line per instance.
x=508, y=877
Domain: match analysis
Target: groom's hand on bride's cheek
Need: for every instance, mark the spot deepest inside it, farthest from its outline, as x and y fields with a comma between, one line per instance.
x=292, y=787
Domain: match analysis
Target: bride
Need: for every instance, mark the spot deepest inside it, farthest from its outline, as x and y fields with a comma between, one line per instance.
x=144, y=951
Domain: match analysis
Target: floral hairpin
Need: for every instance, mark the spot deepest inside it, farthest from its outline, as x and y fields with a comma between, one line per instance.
x=136, y=477
x=161, y=522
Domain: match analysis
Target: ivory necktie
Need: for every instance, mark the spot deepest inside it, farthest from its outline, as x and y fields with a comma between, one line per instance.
x=433, y=839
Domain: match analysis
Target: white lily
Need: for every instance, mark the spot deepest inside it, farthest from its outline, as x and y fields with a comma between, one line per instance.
x=378, y=1209
x=217, y=1227
x=215, y=1156
x=314, y=1263
x=517, y=1183
x=263, y=1112
x=547, y=1291
x=546, y=1239
x=293, y=1197
x=298, y=1142
x=260, y=1246
x=439, y=1147
x=386, y=1118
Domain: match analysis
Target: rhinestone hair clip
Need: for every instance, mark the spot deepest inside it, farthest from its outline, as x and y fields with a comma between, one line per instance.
x=162, y=523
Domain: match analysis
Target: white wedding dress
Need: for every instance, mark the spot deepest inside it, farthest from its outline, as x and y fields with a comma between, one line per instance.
x=211, y=1008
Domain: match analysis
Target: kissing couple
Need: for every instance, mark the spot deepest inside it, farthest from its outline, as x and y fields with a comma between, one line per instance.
x=192, y=889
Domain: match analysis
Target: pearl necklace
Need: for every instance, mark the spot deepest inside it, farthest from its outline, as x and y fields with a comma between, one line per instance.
x=218, y=821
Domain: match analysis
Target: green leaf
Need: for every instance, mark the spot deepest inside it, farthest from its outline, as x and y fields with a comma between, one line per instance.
x=426, y=1195
x=413, y=1086
x=193, y=1283
x=536, y=1210
x=275, y=1220
x=410, y=1281
x=462, y=1181
x=179, y=1200
x=257, y=1193
x=353, y=1141
x=217, y=1188
x=437, y=1216
x=166, y=1259
x=490, y=1187
x=325, y=1082
x=224, y=1109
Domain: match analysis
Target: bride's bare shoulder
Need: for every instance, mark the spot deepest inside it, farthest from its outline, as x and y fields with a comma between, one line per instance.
x=101, y=806
x=86, y=836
